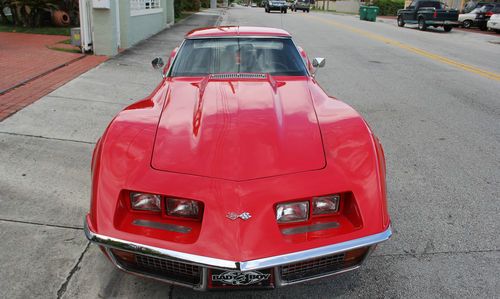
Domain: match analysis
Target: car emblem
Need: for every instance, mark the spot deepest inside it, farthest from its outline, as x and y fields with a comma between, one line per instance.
x=243, y=216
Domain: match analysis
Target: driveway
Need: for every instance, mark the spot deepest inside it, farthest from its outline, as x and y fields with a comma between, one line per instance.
x=29, y=69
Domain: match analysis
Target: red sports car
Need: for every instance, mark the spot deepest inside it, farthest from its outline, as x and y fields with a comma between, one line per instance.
x=238, y=171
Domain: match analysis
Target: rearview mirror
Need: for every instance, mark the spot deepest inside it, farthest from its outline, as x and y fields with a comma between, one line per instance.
x=158, y=63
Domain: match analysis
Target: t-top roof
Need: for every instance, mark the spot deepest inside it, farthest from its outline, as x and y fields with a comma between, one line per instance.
x=237, y=31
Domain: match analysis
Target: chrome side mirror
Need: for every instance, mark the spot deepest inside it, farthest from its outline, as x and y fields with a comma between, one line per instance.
x=319, y=62
x=158, y=63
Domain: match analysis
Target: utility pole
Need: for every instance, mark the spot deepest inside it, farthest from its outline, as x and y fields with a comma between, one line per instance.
x=213, y=3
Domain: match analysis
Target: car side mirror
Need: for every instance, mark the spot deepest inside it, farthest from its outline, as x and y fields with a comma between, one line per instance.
x=318, y=63
x=158, y=63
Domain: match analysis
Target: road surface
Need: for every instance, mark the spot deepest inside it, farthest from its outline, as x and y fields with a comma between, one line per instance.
x=433, y=98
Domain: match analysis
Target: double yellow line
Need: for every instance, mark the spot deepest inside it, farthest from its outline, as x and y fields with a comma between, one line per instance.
x=377, y=37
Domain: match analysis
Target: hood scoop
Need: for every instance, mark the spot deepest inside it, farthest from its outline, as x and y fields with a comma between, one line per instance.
x=238, y=129
x=238, y=76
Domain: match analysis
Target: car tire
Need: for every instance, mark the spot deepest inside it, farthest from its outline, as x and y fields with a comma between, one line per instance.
x=401, y=22
x=467, y=24
x=307, y=11
x=497, y=31
x=285, y=11
x=447, y=28
x=421, y=24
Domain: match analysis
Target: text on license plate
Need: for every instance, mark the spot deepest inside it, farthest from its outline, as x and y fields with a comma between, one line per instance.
x=233, y=278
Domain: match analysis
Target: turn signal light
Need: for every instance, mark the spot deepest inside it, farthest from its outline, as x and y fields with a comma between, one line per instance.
x=126, y=256
x=355, y=254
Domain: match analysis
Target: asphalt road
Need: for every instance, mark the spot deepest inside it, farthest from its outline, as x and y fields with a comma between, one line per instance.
x=433, y=98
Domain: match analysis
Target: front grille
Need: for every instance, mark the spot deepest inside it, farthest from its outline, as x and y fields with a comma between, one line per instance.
x=238, y=76
x=165, y=269
x=312, y=268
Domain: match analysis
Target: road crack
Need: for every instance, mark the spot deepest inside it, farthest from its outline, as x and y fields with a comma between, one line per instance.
x=75, y=268
x=41, y=224
x=48, y=138
x=417, y=255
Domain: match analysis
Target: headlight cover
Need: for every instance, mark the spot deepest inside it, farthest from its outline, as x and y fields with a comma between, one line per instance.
x=145, y=201
x=325, y=204
x=183, y=208
x=292, y=211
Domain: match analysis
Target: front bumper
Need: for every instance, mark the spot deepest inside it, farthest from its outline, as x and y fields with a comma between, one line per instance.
x=442, y=23
x=277, y=6
x=494, y=24
x=197, y=267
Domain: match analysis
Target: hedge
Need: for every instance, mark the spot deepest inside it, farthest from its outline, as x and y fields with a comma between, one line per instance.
x=389, y=7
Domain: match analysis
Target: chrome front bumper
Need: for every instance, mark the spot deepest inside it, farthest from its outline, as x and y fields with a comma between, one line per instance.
x=451, y=23
x=213, y=263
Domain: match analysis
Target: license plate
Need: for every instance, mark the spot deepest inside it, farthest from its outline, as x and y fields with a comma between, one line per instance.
x=237, y=279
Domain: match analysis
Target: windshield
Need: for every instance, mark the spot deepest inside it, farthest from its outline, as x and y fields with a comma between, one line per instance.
x=435, y=4
x=275, y=56
x=486, y=8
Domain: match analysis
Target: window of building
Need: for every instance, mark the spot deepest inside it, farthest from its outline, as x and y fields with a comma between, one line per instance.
x=144, y=7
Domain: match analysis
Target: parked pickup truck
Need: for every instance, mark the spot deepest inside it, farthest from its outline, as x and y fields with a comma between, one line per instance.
x=428, y=13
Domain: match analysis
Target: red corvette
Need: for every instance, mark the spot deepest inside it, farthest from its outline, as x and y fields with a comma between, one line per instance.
x=238, y=171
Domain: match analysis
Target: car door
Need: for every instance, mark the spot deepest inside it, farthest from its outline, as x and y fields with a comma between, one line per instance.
x=409, y=13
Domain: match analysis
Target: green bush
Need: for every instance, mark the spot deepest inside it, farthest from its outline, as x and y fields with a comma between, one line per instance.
x=185, y=5
x=389, y=7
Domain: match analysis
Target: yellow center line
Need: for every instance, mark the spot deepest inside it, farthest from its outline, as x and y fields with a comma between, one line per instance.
x=436, y=57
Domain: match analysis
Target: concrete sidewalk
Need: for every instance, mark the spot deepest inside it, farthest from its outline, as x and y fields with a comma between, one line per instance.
x=45, y=153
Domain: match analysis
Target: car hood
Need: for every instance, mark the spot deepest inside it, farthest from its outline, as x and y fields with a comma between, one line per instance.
x=238, y=130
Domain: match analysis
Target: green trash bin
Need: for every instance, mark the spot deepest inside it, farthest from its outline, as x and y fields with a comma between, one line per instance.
x=362, y=12
x=371, y=13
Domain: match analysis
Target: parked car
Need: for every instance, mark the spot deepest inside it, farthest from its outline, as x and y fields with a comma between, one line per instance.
x=304, y=5
x=271, y=5
x=238, y=171
x=472, y=5
x=485, y=13
x=494, y=23
x=428, y=13
x=468, y=20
